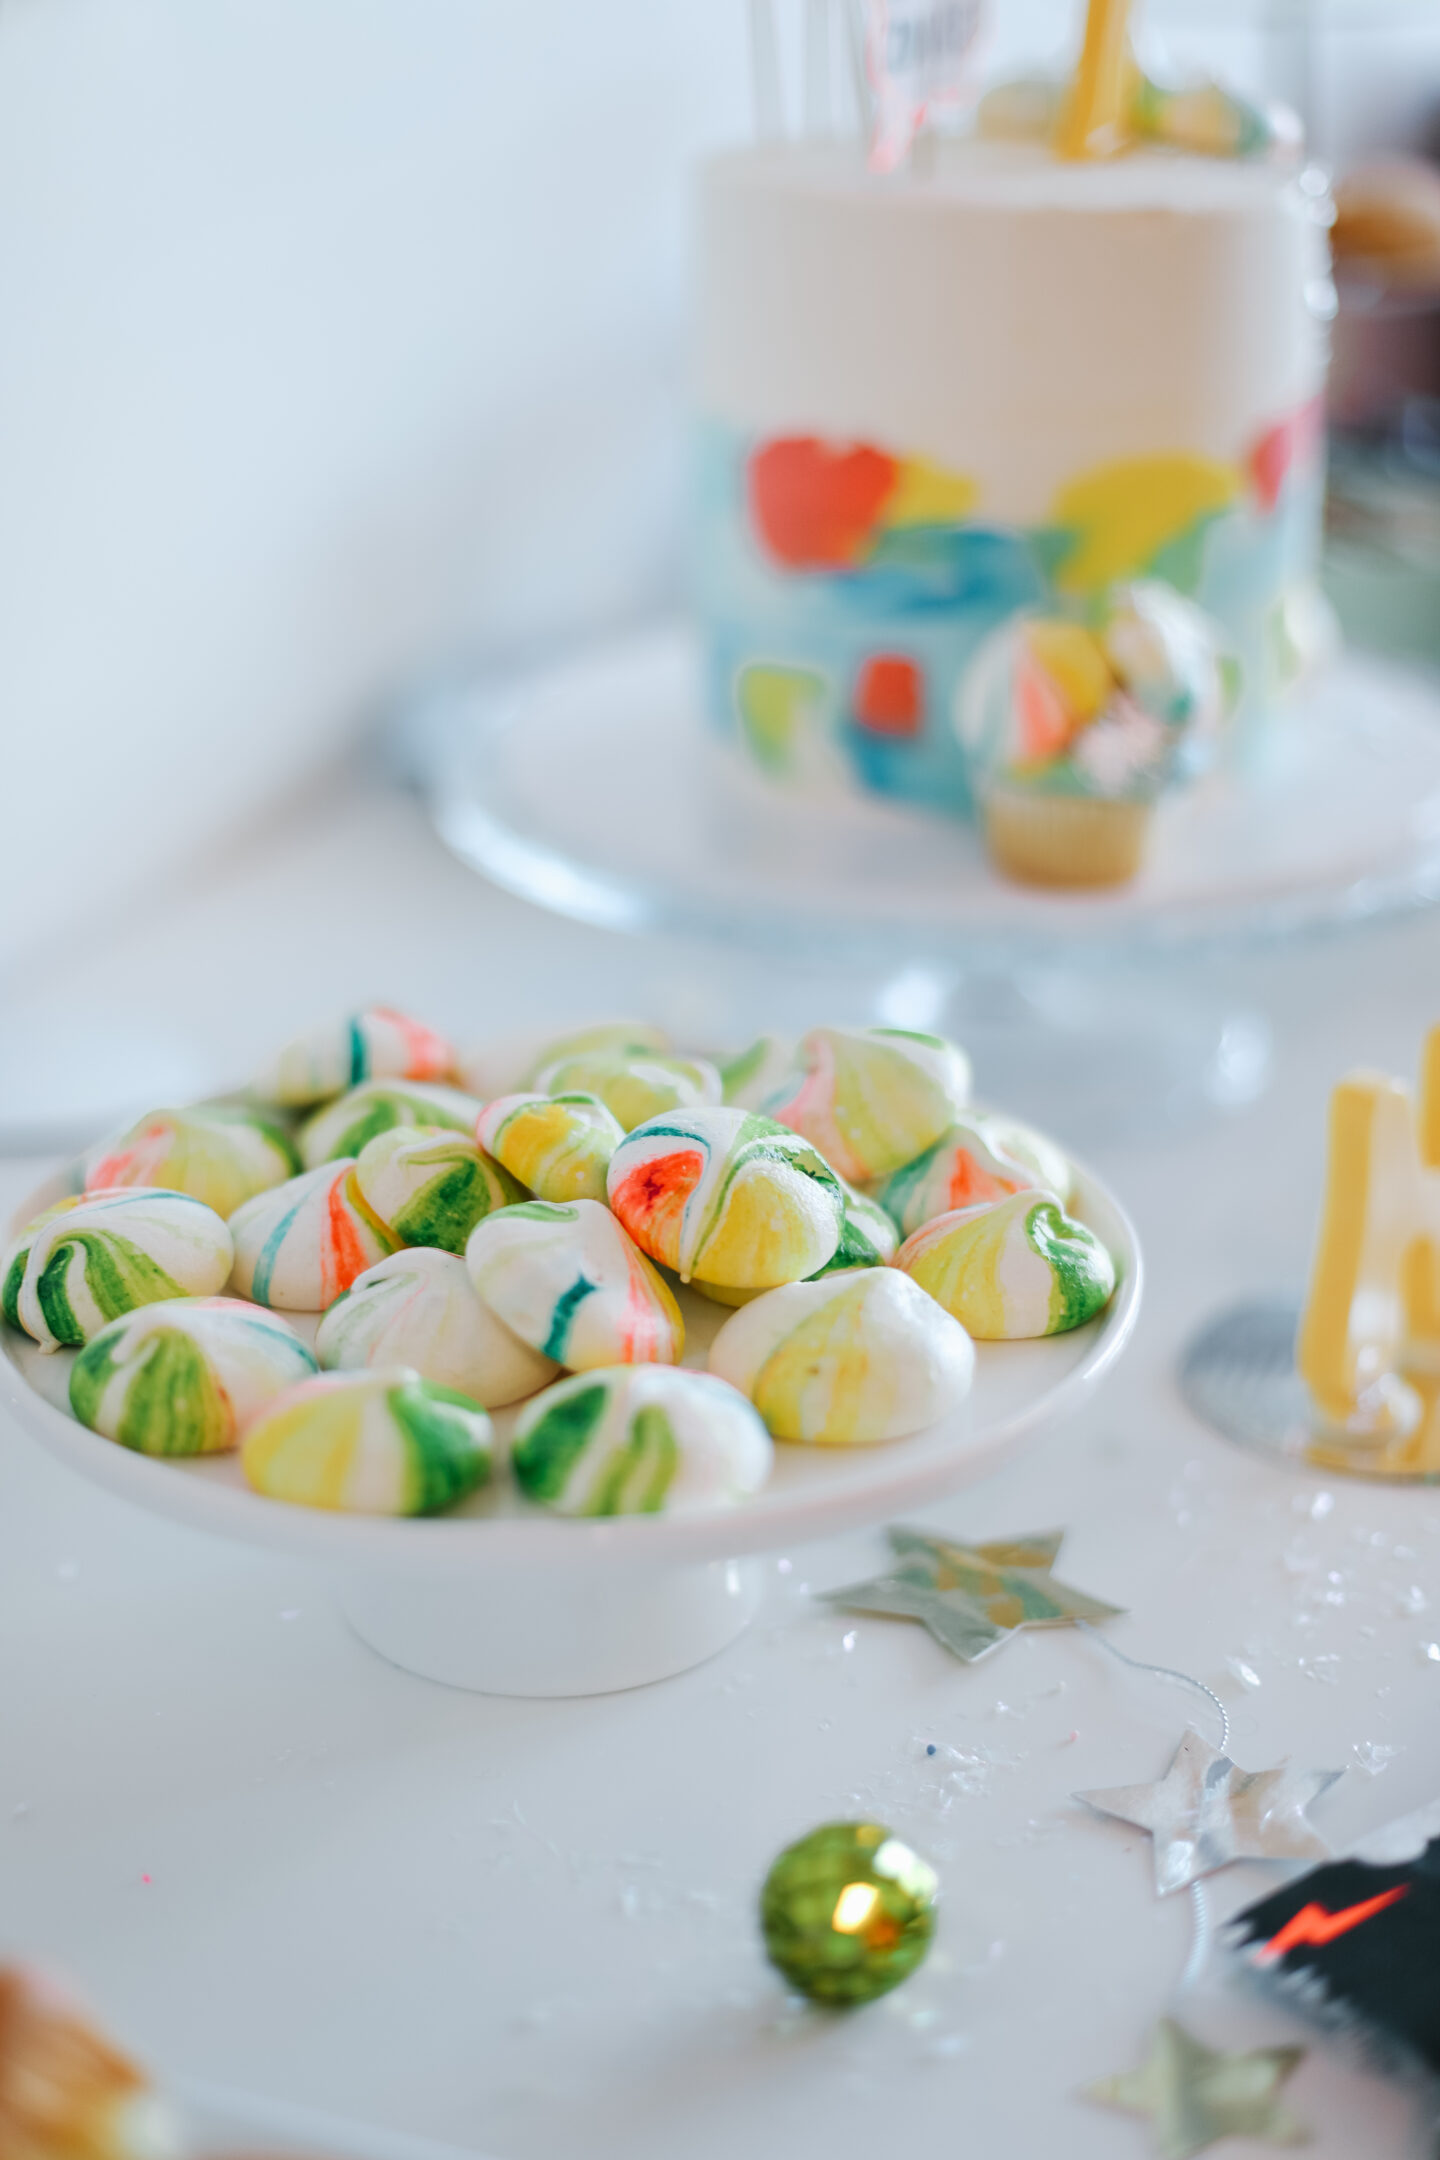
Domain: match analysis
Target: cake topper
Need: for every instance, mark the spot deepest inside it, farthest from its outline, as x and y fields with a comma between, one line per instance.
x=1094, y=119
x=919, y=58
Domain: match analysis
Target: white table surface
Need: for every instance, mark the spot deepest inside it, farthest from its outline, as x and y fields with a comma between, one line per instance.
x=526, y=1928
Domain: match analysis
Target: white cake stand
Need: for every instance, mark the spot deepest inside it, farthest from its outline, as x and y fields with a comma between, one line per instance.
x=503, y=1598
x=596, y=789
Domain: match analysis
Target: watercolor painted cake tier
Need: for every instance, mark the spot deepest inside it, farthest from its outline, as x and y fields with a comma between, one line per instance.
x=1005, y=383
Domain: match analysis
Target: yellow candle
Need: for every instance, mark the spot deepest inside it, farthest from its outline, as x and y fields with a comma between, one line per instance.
x=1093, y=123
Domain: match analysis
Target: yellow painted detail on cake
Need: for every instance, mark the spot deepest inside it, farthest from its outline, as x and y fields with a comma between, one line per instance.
x=927, y=494
x=1123, y=514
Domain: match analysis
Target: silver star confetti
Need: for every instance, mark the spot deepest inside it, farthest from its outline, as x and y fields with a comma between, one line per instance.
x=972, y=1597
x=1193, y=2096
x=1205, y=1812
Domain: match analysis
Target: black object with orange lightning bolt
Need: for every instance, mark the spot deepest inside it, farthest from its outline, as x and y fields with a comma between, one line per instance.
x=1361, y=1936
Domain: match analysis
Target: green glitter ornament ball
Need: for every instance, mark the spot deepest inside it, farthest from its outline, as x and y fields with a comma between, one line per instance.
x=848, y=1912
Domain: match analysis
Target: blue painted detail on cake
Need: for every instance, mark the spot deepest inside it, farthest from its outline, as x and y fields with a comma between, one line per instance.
x=931, y=594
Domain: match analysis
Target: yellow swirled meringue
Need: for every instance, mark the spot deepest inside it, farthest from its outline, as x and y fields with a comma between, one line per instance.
x=221, y=1153
x=640, y=1440
x=81, y=1267
x=558, y=1145
x=379, y=1442
x=376, y=1044
x=846, y=1360
x=633, y=1086
x=868, y=1238
x=872, y=1099
x=1012, y=1269
x=343, y=1127
x=735, y=1199
x=431, y=1187
x=420, y=1308
x=569, y=1282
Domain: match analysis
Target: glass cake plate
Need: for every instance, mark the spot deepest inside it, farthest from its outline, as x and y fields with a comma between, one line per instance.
x=595, y=789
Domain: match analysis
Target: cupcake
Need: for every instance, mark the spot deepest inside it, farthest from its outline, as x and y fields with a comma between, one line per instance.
x=1073, y=729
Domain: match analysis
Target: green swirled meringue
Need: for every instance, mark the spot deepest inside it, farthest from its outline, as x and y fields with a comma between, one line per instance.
x=85, y=1265
x=430, y=1187
x=343, y=1127
x=640, y=1440
x=1012, y=1269
x=187, y=1376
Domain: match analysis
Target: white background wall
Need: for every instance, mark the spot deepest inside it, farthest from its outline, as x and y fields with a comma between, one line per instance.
x=335, y=332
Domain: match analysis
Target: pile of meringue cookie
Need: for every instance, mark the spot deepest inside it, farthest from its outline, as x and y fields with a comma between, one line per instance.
x=474, y=1232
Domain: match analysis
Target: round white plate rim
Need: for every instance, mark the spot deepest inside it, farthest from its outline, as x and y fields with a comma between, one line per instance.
x=448, y=721
x=769, y=1522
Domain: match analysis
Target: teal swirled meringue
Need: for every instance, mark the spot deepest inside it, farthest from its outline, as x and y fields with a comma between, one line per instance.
x=640, y=1440
x=187, y=1376
x=377, y=1043
x=85, y=1265
x=430, y=1187
x=343, y=1127
x=301, y=1244
x=420, y=1308
x=568, y=1281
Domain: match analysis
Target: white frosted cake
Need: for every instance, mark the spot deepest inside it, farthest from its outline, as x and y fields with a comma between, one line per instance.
x=997, y=383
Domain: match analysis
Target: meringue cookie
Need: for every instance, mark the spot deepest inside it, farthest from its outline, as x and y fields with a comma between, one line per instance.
x=383, y=1442
x=568, y=1281
x=299, y=1245
x=508, y=1064
x=420, y=1308
x=750, y=1079
x=187, y=1376
x=12, y=1273
x=1012, y=1269
x=558, y=1145
x=221, y=1153
x=85, y=1265
x=969, y=1164
x=730, y=1197
x=607, y=1038
x=846, y=1360
x=633, y=1087
x=868, y=1238
x=640, y=1440
x=376, y=1044
x=343, y=1127
x=431, y=1187
x=871, y=1099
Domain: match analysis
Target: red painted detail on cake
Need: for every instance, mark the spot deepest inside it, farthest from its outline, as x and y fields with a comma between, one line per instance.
x=1042, y=722
x=1292, y=441
x=890, y=695
x=816, y=504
